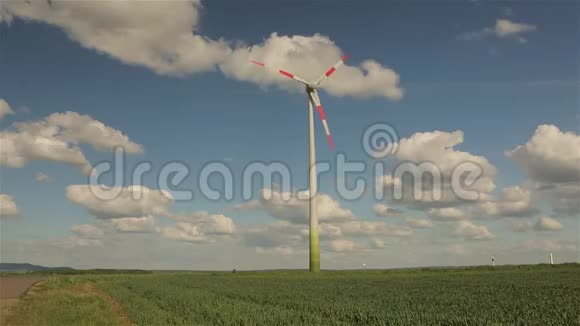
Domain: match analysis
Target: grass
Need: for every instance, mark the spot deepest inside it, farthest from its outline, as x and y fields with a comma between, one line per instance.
x=530, y=295
x=63, y=301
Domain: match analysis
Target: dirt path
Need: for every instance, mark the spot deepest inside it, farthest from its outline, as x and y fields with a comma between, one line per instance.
x=14, y=287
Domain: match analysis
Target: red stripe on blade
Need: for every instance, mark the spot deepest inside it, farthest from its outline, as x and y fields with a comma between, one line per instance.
x=345, y=57
x=330, y=71
x=257, y=63
x=287, y=74
x=330, y=142
x=321, y=111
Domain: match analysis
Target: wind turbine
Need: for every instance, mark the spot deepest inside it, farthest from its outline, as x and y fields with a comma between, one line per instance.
x=311, y=89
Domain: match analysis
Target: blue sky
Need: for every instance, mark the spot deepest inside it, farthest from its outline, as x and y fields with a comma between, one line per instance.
x=496, y=89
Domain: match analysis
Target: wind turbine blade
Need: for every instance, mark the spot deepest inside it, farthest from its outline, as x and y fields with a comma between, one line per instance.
x=316, y=101
x=283, y=72
x=331, y=70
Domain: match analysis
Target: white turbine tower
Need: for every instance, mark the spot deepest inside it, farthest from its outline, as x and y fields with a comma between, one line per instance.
x=311, y=89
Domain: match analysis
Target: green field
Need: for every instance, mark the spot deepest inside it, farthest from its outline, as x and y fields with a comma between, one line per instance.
x=526, y=295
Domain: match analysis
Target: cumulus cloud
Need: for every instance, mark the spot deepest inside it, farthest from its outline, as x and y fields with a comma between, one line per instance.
x=5, y=109
x=173, y=46
x=88, y=231
x=218, y=224
x=382, y=210
x=129, y=201
x=503, y=28
x=199, y=227
x=419, y=223
x=134, y=224
x=549, y=156
x=42, y=177
x=85, y=235
x=374, y=228
x=426, y=155
x=447, y=214
x=547, y=224
x=124, y=31
x=471, y=231
x=281, y=234
x=513, y=201
x=8, y=208
x=343, y=246
x=564, y=197
x=309, y=57
x=551, y=160
x=57, y=138
x=291, y=207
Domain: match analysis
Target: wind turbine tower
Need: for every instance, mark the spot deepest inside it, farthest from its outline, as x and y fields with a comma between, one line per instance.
x=311, y=89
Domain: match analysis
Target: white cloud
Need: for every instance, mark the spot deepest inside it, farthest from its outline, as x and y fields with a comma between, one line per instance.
x=8, y=208
x=471, y=231
x=342, y=245
x=42, y=177
x=551, y=160
x=374, y=228
x=159, y=35
x=184, y=231
x=437, y=147
x=130, y=201
x=547, y=224
x=419, y=223
x=503, y=28
x=134, y=224
x=199, y=227
x=284, y=234
x=513, y=201
x=447, y=214
x=549, y=156
x=87, y=231
x=57, y=138
x=291, y=207
x=383, y=210
x=564, y=197
x=217, y=224
x=5, y=109
x=76, y=128
x=124, y=31
x=85, y=235
x=434, y=154
x=74, y=241
x=310, y=57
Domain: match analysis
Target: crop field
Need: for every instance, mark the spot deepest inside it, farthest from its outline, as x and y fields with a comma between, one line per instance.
x=526, y=295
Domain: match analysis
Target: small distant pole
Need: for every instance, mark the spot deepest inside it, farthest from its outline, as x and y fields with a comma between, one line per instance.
x=492, y=261
x=551, y=259
x=365, y=267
